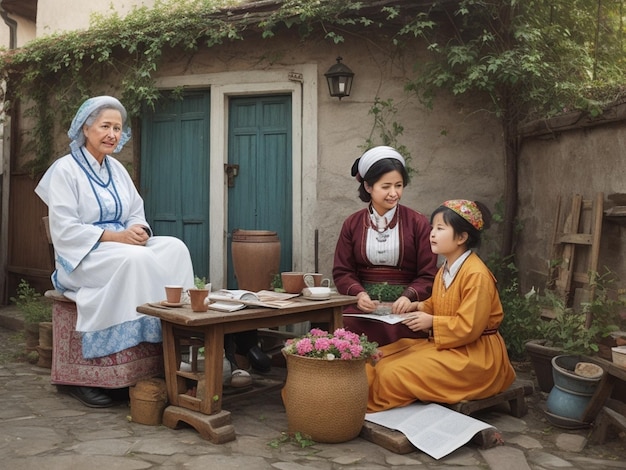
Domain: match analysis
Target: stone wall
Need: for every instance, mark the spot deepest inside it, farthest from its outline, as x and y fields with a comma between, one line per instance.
x=572, y=154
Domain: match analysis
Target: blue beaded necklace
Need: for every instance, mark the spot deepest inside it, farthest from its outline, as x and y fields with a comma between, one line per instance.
x=96, y=182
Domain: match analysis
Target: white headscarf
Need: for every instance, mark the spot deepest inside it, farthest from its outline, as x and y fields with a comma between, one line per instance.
x=376, y=154
x=76, y=133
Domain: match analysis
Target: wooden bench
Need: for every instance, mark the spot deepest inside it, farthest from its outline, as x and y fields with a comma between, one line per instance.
x=604, y=412
x=397, y=442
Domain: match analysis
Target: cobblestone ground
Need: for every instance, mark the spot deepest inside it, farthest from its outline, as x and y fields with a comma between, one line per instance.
x=40, y=427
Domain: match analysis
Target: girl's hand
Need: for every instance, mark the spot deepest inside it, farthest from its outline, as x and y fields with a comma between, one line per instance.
x=364, y=303
x=419, y=321
x=402, y=305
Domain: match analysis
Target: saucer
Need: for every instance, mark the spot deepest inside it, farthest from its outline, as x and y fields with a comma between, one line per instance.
x=171, y=304
x=316, y=297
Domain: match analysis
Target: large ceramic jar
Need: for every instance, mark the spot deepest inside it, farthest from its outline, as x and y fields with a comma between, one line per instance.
x=256, y=258
x=326, y=400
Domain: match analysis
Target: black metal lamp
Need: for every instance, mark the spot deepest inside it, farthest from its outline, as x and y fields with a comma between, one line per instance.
x=339, y=78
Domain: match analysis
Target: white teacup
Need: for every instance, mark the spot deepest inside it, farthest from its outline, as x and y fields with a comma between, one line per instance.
x=316, y=291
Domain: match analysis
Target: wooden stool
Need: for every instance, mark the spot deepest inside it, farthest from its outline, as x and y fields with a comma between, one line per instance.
x=397, y=442
x=117, y=370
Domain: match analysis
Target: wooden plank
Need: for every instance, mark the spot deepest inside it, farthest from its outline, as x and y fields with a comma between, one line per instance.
x=581, y=228
x=397, y=442
x=607, y=418
x=575, y=238
x=598, y=212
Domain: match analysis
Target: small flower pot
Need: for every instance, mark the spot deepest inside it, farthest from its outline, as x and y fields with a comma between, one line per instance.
x=198, y=298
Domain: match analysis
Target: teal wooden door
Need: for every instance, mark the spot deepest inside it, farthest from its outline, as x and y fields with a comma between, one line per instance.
x=259, y=142
x=175, y=172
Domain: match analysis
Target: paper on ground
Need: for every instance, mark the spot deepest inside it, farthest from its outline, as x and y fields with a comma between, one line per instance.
x=433, y=429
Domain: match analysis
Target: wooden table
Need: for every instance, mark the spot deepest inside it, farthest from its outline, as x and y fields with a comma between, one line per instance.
x=204, y=411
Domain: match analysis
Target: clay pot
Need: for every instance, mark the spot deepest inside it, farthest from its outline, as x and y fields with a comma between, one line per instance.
x=541, y=358
x=45, y=334
x=173, y=294
x=256, y=258
x=197, y=298
x=293, y=281
x=31, y=335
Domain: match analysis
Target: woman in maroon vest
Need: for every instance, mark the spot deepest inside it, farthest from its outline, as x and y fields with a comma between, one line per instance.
x=383, y=254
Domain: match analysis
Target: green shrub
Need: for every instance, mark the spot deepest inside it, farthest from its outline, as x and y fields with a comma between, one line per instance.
x=521, y=312
x=36, y=309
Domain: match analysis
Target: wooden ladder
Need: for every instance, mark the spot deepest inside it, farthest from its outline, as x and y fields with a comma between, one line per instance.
x=576, y=246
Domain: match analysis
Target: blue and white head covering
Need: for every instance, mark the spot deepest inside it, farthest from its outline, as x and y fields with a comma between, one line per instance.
x=76, y=134
x=374, y=155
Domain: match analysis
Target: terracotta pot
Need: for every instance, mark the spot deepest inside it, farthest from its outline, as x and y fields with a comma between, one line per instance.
x=541, y=357
x=31, y=335
x=197, y=298
x=45, y=334
x=256, y=258
x=148, y=399
x=326, y=400
x=293, y=281
x=45, y=357
x=173, y=294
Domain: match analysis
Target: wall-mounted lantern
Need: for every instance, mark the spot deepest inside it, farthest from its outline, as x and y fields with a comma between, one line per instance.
x=339, y=78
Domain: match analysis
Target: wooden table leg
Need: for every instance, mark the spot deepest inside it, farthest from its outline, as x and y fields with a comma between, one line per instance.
x=170, y=349
x=216, y=428
x=337, y=319
x=213, y=369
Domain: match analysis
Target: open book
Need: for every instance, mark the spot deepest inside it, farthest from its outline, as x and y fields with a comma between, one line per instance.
x=230, y=300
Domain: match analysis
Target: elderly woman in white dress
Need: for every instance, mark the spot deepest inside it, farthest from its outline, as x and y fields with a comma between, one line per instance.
x=107, y=259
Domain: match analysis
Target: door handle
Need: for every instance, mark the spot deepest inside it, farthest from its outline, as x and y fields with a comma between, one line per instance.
x=231, y=172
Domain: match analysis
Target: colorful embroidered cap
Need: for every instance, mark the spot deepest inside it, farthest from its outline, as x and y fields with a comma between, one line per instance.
x=468, y=210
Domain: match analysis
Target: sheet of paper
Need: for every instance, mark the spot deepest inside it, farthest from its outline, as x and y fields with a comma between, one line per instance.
x=389, y=318
x=433, y=429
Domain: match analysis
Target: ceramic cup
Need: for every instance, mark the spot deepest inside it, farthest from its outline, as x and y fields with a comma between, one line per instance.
x=293, y=281
x=315, y=280
x=316, y=292
x=173, y=294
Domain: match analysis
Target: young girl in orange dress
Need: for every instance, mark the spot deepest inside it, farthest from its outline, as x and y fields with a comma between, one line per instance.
x=465, y=357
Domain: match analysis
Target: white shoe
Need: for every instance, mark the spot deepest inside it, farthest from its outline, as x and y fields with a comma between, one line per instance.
x=240, y=378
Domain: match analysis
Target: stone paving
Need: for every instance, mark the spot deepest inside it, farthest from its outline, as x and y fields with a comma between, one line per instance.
x=41, y=427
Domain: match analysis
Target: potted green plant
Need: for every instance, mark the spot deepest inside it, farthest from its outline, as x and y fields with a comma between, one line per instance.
x=198, y=295
x=36, y=309
x=565, y=330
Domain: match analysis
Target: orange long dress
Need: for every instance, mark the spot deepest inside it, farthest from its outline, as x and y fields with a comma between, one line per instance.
x=466, y=358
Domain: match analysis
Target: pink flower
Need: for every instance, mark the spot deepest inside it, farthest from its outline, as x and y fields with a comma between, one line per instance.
x=322, y=344
x=304, y=346
x=342, y=344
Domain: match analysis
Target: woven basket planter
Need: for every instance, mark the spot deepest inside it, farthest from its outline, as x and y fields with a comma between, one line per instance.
x=326, y=400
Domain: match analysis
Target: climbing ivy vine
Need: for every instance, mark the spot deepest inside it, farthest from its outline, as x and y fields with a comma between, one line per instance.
x=474, y=45
x=60, y=71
